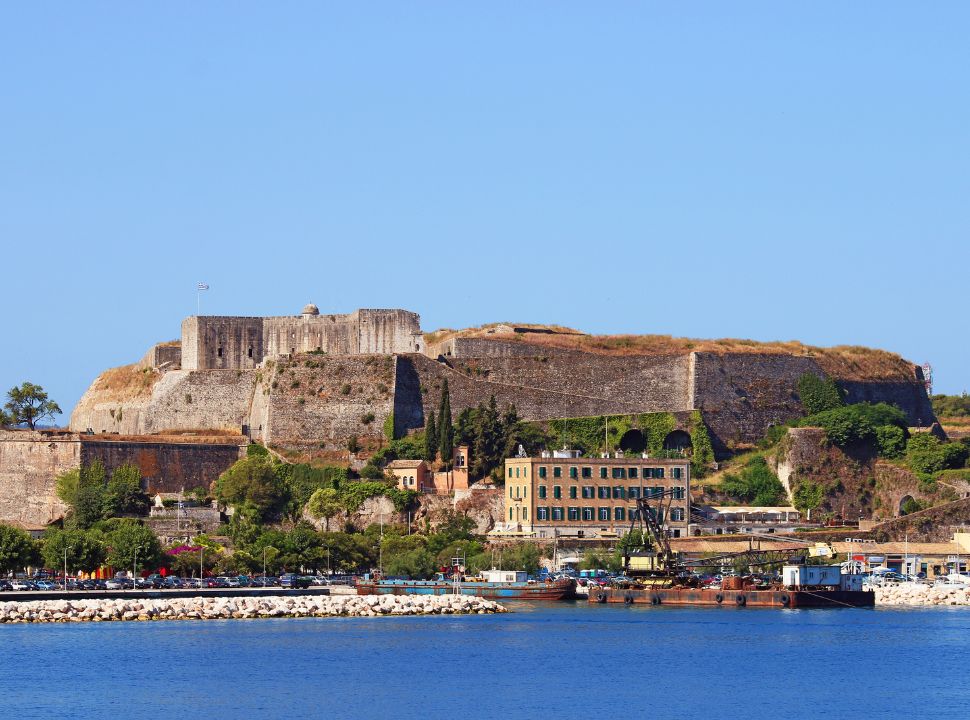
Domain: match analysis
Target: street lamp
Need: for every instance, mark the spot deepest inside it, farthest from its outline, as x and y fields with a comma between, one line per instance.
x=134, y=569
x=65, y=568
x=264, y=566
x=201, y=553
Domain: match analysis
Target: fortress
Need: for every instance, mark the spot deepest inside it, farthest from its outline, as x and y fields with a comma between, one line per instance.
x=313, y=380
x=187, y=409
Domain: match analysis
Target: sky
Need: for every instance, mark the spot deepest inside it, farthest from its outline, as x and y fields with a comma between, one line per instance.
x=772, y=171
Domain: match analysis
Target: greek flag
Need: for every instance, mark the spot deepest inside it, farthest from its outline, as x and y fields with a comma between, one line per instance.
x=202, y=286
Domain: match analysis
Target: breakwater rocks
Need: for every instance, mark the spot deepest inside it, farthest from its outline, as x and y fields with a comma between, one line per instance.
x=221, y=608
x=919, y=594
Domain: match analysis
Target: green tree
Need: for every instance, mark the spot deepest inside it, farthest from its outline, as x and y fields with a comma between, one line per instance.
x=324, y=504
x=124, y=493
x=819, y=394
x=445, y=429
x=66, y=486
x=85, y=549
x=28, y=405
x=430, y=439
x=252, y=481
x=17, y=549
x=133, y=545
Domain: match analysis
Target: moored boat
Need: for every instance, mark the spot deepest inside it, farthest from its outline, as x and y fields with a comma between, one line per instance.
x=493, y=585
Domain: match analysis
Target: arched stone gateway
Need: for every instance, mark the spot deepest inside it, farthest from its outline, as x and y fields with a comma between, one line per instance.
x=678, y=440
x=633, y=441
x=907, y=504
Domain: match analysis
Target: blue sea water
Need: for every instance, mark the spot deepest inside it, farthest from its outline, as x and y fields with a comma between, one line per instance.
x=561, y=660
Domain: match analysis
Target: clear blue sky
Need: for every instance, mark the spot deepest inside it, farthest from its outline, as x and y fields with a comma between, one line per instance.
x=760, y=170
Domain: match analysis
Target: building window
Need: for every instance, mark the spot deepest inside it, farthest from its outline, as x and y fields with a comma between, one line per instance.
x=542, y=513
x=619, y=513
x=510, y=518
x=525, y=471
x=557, y=472
x=588, y=492
x=510, y=489
x=572, y=472
x=219, y=352
x=619, y=492
x=604, y=492
x=587, y=472
x=675, y=473
x=647, y=473
x=516, y=471
x=542, y=492
x=557, y=491
x=525, y=513
x=573, y=513
x=619, y=473
x=676, y=514
x=658, y=473
x=557, y=514
x=679, y=493
x=572, y=492
x=633, y=473
x=633, y=513
x=603, y=472
x=604, y=513
x=510, y=472
x=587, y=513
x=542, y=471
x=633, y=493
x=250, y=352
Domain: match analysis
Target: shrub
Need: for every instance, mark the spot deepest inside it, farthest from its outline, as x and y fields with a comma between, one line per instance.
x=855, y=423
x=345, y=389
x=891, y=441
x=367, y=418
x=353, y=445
x=756, y=484
x=926, y=454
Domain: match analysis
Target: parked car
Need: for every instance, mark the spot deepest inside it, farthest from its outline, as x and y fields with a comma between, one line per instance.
x=5, y=585
x=294, y=581
x=319, y=580
x=45, y=585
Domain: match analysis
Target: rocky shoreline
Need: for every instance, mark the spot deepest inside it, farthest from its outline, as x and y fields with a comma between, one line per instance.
x=222, y=608
x=918, y=594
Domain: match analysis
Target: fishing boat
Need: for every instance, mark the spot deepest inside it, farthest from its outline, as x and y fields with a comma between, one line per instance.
x=492, y=584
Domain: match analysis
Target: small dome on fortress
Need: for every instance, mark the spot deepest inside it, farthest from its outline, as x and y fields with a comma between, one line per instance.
x=310, y=309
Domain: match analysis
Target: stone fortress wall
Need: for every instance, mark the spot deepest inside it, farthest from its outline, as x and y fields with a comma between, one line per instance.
x=370, y=366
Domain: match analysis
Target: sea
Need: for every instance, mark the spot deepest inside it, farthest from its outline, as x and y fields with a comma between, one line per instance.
x=544, y=660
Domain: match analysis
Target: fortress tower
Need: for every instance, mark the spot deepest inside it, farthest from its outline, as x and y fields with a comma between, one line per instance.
x=239, y=343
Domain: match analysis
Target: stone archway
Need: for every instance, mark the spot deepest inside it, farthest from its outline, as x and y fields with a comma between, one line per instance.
x=678, y=441
x=633, y=441
x=907, y=505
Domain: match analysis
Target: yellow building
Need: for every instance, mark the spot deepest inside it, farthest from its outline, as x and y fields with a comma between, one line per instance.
x=562, y=494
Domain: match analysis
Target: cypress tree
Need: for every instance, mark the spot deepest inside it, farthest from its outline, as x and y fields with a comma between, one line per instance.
x=445, y=429
x=430, y=439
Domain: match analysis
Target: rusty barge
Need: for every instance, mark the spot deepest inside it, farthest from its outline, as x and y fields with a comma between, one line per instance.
x=656, y=576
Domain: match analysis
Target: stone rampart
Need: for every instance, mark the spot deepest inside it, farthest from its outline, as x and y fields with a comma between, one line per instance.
x=543, y=387
x=166, y=466
x=322, y=400
x=30, y=461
